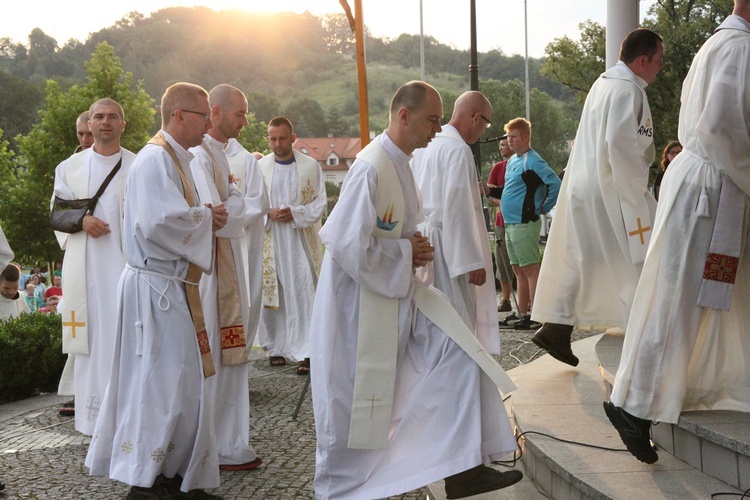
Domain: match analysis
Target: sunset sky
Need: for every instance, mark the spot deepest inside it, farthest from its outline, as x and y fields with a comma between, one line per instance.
x=500, y=23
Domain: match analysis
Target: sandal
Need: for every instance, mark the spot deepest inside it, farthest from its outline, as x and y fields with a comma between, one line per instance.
x=68, y=409
x=303, y=367
x=277, y=361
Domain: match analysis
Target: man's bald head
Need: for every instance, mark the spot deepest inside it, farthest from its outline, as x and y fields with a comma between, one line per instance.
x=84, y=135
x=414, y=118
x=228, y=112
x=223, y=94
x=472, y=112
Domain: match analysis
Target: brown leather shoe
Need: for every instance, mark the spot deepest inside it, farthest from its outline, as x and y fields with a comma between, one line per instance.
x=555, y=339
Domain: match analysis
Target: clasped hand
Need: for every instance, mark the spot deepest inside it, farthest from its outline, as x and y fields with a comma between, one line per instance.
x=421, y=250
x=219, y=214
x=280, y=214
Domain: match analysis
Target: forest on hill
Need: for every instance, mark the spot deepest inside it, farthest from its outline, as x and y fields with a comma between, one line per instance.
x=298, y=65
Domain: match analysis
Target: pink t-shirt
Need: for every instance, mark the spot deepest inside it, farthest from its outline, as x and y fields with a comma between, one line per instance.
x=497, y=178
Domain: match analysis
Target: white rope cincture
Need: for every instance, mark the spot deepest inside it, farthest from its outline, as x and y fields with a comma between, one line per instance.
x=163, y=302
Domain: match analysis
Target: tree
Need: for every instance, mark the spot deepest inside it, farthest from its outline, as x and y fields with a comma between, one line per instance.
x=19, y=102
x=339, y=37
x=684, y=25
x=307, y=117
x=253, y=136
x=551, y=126
x=25, y=215
x=577, y=64
x=263, y=106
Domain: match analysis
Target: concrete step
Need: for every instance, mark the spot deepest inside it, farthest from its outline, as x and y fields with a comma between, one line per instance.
x=716, y=443
x=566, y=402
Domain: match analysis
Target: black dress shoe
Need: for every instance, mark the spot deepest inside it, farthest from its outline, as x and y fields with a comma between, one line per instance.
x=633, y=431
x=555, y=339
x=479, y=479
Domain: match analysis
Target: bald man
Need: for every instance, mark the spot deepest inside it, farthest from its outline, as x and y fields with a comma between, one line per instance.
x=454, y=223
x=422, y=410
x=223, y=291
x=83, y=133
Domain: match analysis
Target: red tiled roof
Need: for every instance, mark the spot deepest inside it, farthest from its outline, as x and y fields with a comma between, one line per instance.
x=320, y=148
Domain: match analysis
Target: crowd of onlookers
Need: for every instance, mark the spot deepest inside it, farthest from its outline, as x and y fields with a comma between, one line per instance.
x=35, y=289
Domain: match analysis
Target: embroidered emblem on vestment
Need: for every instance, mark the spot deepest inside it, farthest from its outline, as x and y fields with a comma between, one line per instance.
x=721, y=268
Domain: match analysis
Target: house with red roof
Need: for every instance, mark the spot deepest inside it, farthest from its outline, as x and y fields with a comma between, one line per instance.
x=335, y=154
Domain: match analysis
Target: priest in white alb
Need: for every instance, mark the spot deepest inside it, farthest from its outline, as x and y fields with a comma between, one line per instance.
x=687, y=345
x=155, y=429
x=291, y=247
x=94, y=257
x=604, y=216
x=249, y=180
x=446, y=175
x=399, y=401
x=223, y=290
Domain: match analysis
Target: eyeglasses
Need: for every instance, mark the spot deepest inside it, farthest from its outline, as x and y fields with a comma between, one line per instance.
x=206, y=116
x=489, y=123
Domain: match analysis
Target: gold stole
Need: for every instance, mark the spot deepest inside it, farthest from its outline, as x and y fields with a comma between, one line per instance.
x=307, y=171
x=194, y=272
x=231, y=326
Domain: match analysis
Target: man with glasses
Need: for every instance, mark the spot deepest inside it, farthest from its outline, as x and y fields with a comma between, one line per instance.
x=155, y=428
x=604, y=220
x=446, y=174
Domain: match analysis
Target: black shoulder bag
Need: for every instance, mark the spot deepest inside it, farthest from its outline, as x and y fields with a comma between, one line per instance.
x=67, y=215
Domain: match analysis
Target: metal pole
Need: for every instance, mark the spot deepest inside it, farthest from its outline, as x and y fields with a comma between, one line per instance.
x=421, y=41
x=473, y=65
x=526, y=36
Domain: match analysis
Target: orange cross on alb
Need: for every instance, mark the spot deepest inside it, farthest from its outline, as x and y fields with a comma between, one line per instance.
x=73, y=324
x=640, y=231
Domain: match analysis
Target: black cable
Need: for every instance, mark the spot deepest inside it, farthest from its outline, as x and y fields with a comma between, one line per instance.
x=746, y=494
x=512, y=463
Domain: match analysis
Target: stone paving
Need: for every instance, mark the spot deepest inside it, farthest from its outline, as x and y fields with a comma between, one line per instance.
x=41, y=455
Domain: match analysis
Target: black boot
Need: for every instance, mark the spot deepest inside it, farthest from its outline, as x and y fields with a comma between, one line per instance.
x=479, y=479
x=555, y=339
x=634, y=432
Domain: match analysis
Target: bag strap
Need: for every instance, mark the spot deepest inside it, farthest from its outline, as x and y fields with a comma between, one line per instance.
x=95, y=199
